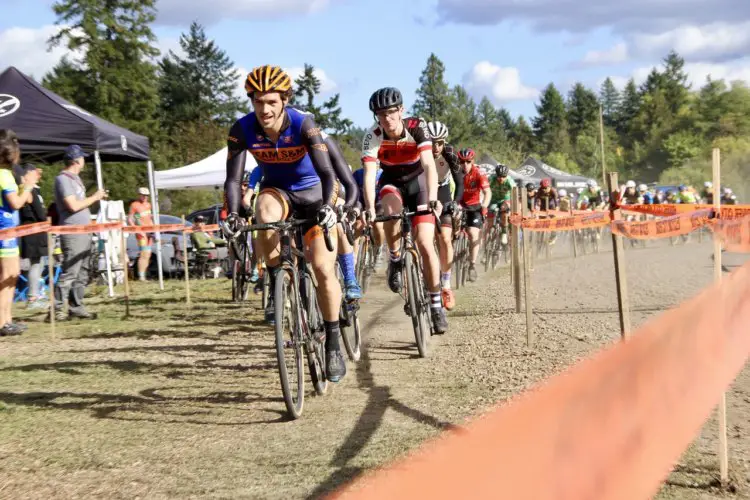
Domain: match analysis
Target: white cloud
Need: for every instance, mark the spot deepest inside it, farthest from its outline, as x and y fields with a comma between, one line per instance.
x=615, y=55
x=26, y=49
x=710, y=42
x=183, y=12
x=327, y=85
x=499, y=84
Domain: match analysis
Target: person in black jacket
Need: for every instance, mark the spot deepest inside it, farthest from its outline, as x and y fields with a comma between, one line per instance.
x=34, y=246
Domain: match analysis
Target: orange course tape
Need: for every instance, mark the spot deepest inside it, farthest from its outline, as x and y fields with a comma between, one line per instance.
x=17, y=232
x=609, y=428
x=574, y=222
x=86, y=228
x=164, y=228
x=666, y=210
x=734, y=234
x=663, y=228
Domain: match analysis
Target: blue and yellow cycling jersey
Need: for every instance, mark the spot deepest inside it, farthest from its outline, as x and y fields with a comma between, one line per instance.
x=8, y=215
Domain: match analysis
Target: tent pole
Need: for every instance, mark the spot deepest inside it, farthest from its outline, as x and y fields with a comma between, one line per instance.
x=155, y=211
x=103, y=218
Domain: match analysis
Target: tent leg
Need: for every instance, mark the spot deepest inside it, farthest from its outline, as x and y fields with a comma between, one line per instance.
x=103, y=210
x=155, y=211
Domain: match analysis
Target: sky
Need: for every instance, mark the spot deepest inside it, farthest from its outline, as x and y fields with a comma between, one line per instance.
x=507, y=50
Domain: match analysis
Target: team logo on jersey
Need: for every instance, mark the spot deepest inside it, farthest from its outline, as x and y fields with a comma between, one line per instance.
x=259, y=138
x=9, y=104
x=281, y=155
x=287, y=139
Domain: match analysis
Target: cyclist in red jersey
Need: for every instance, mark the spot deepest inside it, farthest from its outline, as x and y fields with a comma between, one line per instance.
x=140, y=215
x=477, y=197
x=404, y=148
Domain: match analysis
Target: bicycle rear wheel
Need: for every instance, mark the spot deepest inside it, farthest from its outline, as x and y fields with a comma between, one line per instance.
x=316, y=360
x=351, y=334
x=458, y=260
x=415, y=297
x=363, y=262
x=489, y=247
x=288, y=328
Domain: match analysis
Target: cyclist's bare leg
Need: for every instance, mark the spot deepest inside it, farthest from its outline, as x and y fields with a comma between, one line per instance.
x=392, y=229
x=425, y=240
x=445, y=247
x=269, y=209
x=474, y=241
x=323, y=265
x=378, y=233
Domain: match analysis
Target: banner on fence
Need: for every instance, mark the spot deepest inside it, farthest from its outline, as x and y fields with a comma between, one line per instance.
x=609, y=428
x=29, y=229
x=569, y=223
x=667, y=227
x=668, y=209
x=734, y=234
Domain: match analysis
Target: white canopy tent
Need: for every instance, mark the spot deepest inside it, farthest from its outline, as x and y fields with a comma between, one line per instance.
x=208, y=173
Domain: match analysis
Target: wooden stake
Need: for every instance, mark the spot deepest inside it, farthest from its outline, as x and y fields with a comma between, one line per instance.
x=185, y=256
x=51, y=277
x=527, y=273
x=124, y=263
x=722, y=413
x=623, y=303
x=515, y=253
x=574, y=234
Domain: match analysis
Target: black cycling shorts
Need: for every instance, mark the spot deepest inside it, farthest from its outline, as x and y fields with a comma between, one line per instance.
x=303, y=204
x=444, y=197
x=412, y=193
x=474, y=218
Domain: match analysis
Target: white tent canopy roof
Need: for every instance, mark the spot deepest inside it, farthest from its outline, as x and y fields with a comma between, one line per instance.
x=209, y=173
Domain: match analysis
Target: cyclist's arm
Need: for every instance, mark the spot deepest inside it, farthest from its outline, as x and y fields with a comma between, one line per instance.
x=343, y=172
x=450, y=156
x=236, y=154
x=486, y=192
x=321, y=160
x=370, y=149
x=424, y=145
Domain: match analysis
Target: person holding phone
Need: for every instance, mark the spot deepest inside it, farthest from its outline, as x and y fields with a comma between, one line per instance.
x=73, y=208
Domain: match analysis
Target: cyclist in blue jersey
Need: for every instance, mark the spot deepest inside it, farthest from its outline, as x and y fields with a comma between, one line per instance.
x=377, y=228
x=298, y=180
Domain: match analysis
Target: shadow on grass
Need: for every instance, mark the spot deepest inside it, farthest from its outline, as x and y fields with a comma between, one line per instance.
x=379, y=401
x=149, y=405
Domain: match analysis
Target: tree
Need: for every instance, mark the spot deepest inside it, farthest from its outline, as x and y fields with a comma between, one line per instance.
x=522, y=136
x=490, y=127
x=117, y=41
x=462, y=118
x=550, y=126
x=328, y=116
x=583, y=110
x=631, y=103
x=610, y=99
x=675, y=82
x=200, y=86
x=433, y=97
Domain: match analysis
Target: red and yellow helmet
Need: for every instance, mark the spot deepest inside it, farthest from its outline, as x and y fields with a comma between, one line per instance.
x=268, y=79
x=466, y=154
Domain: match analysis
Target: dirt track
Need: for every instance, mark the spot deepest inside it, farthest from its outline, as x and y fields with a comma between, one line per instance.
x=188, y=406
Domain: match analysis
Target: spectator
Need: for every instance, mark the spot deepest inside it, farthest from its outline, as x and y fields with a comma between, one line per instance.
x=73, y=209
x=12, y=200
x=33, y=246
x=140, y=215
x=200, y=239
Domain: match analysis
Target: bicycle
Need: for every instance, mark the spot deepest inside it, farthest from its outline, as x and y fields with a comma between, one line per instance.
x=366, y=258
x=493, y=245
x=298, y=325
x=349, y=312
x=417, y=303
x=460, y=250
x=241, y=268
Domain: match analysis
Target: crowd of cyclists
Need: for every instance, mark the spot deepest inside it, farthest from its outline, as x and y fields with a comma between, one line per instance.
x=411, y=180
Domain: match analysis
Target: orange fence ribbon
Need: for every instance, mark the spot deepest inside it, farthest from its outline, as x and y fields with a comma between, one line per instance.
x=609, y=428
x=734, y=234
x=663, y=228
x=164, y=228
x=571, y=222
x=86, y=228
x=668, y=209
x=732, y=212
x=17, y=232
x=208, y=229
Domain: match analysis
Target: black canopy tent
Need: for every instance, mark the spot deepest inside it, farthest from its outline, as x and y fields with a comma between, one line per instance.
x=536, y=170
x=46, y=124
x=520, y=179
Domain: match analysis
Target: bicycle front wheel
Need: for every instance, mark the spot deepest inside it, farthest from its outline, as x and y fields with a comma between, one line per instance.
x=415, y=297
x=288, y=328
x=363, y=262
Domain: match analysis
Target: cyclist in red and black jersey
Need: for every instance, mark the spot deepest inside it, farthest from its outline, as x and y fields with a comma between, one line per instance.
x=476, y=198
x=448, y=166
x=298, y=179
x=546, y=197
x=404, y=148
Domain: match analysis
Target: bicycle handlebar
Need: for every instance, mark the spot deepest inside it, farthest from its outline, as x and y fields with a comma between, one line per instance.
x=286, y=225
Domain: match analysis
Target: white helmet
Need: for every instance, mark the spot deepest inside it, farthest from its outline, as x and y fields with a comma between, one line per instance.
x=562, y=192
x=708, y=184
x=642, y=188
x=630, y=184
x=438, y=130
x=580, y=190
x=591, y=183
x=727, y=191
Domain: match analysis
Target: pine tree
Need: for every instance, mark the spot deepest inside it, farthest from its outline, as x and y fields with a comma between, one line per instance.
x=118, y=43
x=462, y=118
x=433, y=97
x=610, y=99
x=631, y=103
x=522, y=136
x=200, y=86
x=331, y=117
x=675, y=82
x=583, y=110
x=306, y=88
x=550, y=126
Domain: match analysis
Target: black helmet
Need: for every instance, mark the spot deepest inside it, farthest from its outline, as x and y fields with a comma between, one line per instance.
x=530, y=186
x=501, y=170
x=385, y=98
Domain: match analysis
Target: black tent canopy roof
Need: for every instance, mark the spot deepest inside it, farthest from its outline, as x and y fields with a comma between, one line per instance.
x=46, y=124
x=536, y=170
